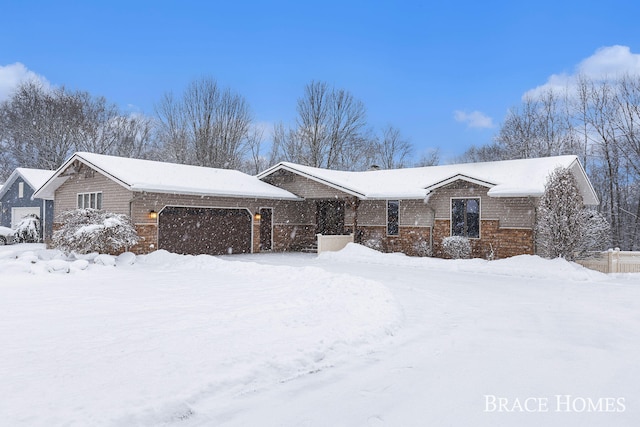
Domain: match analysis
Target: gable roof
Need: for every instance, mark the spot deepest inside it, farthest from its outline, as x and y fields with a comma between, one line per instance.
x=35, y=178
x=507, y=178
x=160, y=177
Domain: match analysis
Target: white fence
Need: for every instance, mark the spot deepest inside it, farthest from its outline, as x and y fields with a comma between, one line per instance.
x=333, y=243
x=613, y=261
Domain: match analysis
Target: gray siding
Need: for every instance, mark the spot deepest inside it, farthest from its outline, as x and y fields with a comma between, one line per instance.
x=516, y=212
x=413, y=213
x=304, y=187
x=115, y=198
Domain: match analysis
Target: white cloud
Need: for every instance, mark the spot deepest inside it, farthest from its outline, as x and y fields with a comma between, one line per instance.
x=606, y=62
x=474, y=119
x=12, y=75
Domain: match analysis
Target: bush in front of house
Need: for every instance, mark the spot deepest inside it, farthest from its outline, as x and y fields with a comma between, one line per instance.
x=28, y=229
x=456, y=247
x=91, y=230
x=564, y=227
x=422, y=248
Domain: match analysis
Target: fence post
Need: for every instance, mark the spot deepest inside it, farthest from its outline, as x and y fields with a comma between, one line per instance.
x=613, y=258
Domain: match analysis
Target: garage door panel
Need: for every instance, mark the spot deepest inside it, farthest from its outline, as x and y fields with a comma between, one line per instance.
x=213, y=231
x=18, y=213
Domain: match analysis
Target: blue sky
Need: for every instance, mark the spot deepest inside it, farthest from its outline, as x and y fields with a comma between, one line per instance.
x=445, y=73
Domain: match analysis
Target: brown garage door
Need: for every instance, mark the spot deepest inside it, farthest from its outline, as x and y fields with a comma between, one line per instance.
x=204, y=230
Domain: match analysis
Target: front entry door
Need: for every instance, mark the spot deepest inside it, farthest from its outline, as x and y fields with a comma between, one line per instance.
x=330, y=217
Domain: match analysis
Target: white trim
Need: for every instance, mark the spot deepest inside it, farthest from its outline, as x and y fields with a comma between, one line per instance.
x=90, y=193
x=451, y=199
x=21, y=190
x=459, y=177
x=311, y=177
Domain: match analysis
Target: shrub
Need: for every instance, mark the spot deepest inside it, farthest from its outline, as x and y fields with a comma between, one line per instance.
x=28, y=229
x=422, y=248
x=456, y=247
x=91, y=230
x=565, y=228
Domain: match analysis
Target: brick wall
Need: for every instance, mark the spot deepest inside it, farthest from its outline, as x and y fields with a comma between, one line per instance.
x=292, y=237
x=148, y=234
x=256, y=236
x=413, y=241
x=504, y=242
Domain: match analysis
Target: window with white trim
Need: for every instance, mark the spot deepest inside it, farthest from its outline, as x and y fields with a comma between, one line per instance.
x=90, y=200
x=20, y=190
x=465, y=218
x=393, y=217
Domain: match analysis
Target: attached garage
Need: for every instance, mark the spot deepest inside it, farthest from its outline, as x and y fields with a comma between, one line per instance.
x=213, y=231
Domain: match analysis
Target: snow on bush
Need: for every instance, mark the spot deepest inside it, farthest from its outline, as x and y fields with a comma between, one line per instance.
x=28, y=229
x=422, y=248
x=91, y=230
x=565, y=228
x=456, y=247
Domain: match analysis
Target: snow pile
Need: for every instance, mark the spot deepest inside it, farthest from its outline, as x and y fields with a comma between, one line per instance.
x=149, y=341
x=524, y=266
x=41, y=261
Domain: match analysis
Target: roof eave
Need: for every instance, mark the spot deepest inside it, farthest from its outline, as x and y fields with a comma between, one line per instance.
x=287, y=167
x=147, y=189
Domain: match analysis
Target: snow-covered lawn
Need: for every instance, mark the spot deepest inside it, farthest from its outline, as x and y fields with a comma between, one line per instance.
x=353, y=338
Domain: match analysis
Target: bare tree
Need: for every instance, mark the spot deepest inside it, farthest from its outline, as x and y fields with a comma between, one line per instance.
x=40, y=127
x=429, y=158
x=392, y=150
x=172, y=129
x=483, y=153
x=330, y=131
x=207, y=126
x=256, y=161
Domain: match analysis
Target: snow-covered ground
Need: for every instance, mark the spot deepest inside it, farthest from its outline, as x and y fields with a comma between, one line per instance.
x=353, y=338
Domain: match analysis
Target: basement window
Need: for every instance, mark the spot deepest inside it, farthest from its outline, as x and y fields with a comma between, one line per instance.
x=465, y=218
x=90, y=200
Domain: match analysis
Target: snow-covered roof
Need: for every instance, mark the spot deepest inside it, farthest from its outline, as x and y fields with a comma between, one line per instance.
x=35, y=178
x=507, y=178
x=161, y=177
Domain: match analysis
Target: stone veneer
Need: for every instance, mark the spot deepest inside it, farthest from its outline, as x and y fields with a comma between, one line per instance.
x=148, y=234
x=413, y=241
x=503, y=242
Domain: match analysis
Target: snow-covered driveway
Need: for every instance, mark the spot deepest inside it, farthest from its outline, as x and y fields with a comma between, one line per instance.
x=354, y=338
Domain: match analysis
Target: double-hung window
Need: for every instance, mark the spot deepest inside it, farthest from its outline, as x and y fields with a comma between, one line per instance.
x=393, y=217
x=90, y=200
x=465, y=218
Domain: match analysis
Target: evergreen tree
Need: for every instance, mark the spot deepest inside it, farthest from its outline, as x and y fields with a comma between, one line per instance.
x=565, y=228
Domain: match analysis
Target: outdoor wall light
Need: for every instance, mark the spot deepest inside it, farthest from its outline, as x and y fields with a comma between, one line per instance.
x=257, y=216
x=153, y=214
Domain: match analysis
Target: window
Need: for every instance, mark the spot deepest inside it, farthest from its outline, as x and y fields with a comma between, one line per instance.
x=465, y=218
x=20, y=190
x=393, y=212
x=90, y=200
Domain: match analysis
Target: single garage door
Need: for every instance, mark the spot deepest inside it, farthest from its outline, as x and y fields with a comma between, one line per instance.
x=18, y=213
x=213, y=231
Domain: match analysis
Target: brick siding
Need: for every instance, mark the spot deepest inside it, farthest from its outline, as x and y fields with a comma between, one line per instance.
x=413, y=241
x=503, y=242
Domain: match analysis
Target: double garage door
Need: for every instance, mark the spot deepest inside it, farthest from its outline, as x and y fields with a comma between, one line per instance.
x=213, y=231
